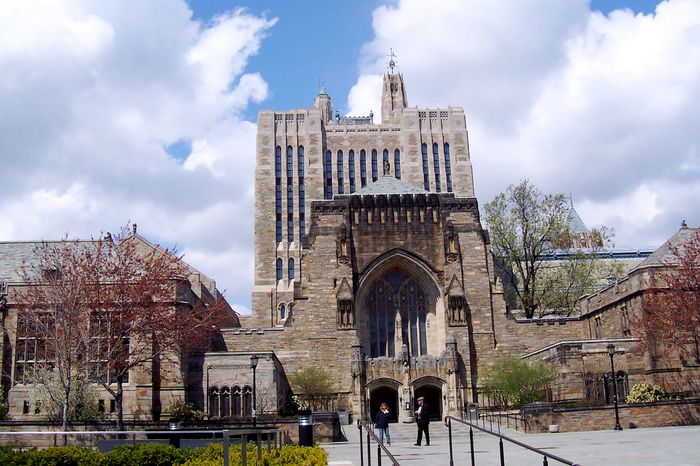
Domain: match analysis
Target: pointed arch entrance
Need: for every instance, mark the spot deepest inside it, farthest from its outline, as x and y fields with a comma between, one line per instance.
x=388, y=394
x=430, y=388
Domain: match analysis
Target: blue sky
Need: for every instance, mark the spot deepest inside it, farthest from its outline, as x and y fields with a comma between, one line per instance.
x=133, y=111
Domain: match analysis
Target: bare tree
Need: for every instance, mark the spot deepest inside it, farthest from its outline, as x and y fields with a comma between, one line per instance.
x=50, y=338
x=103, y=308
x=144, y=312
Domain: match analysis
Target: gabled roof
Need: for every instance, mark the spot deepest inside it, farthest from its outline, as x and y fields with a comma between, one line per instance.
x=17, y=254
x=389, y=185
x=663, y=255
x=575, y=223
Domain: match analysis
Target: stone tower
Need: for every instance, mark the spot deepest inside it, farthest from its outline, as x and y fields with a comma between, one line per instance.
x=393, y=98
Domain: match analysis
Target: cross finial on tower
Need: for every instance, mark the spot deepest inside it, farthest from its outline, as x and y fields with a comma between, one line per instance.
x=392, y=62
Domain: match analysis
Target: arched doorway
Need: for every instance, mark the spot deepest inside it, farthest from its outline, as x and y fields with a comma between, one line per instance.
x=433, y=397
x=384, y=394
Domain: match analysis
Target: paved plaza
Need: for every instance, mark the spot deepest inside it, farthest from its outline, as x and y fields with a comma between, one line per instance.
x=676, y=446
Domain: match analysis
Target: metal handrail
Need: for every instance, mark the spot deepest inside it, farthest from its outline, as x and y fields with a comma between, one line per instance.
x=369, y=427
x=502, y=437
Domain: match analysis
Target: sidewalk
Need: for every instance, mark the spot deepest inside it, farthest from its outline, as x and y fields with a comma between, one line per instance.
x=677, y=446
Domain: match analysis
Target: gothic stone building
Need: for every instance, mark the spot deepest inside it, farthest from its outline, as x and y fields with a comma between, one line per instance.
x=370, y=258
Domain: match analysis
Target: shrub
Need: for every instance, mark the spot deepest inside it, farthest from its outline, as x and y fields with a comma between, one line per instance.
x=517, y=382
x=644, y=392
x=60, y=456
x=186, y=412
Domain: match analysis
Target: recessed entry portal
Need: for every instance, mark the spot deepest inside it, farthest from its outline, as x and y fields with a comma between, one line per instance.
x=433, y=397
x=387, y=395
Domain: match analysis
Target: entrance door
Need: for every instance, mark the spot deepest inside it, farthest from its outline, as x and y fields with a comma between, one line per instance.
x=384, y=395
x=433, y=397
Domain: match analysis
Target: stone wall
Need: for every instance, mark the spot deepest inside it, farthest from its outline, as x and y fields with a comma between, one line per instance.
x=661, y=414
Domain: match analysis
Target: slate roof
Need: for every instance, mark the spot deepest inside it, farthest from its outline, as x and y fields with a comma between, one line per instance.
x=575, y=222
x=663, y=255
x=389, y=185
x=16, y=254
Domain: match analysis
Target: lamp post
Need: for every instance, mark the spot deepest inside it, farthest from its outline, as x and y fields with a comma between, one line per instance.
x=253, y=364
x=208, y=408
x=611, y=352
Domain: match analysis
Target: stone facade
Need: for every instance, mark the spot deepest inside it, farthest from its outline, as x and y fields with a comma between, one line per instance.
x=149, y=390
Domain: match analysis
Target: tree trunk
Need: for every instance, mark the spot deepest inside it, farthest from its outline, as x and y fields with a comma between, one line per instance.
x=118, y=399
x=64, y=421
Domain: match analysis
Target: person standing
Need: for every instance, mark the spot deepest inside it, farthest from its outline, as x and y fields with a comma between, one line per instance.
x=381, y=421
x=423, y=421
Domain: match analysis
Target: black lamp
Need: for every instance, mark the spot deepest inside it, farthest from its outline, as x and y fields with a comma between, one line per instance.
x=611, y=352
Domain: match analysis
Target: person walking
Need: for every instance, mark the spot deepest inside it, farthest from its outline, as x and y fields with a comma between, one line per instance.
x=423, y=421
x=381, y=422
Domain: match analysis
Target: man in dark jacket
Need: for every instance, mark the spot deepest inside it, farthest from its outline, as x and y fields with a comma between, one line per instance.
x=422, y=421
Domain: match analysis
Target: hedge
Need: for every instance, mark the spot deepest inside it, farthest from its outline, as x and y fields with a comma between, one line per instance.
x=162, y=455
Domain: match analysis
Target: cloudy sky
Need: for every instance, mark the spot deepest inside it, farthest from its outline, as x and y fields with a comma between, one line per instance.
x=133, y=111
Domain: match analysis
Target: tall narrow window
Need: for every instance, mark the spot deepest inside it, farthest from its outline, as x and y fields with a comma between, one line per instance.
x=374, y=165
x=363, y=168
x=436, y=167
x=290, y=268
x=341, y=187
x=351, y=170
x=279, y=269
x=448, y=167
x=302, y=191
x=328, y=175
x=278, y=194
x=426, y=179
x=385, y=159
x=290, y=194
x=397, y=164
x=283, y=311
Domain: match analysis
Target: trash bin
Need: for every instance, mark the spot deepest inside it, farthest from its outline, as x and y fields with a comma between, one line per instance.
x=306, y=430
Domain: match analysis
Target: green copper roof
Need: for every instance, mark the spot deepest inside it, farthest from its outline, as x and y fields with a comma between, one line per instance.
x=389, y=185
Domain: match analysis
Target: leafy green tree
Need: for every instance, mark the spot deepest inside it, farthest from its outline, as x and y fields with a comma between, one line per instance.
x=311, y=383
x=527, y=228
x=49, y=401
x=517, y=382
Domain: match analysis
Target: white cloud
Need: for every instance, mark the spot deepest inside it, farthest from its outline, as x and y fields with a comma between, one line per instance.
x=603, y=107
x=90, y=94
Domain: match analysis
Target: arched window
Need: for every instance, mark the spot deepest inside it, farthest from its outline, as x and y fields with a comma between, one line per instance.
x=236, y=408
x=397, y=164
x=302, y=192
x=396, y=287
x=328, y=175
x=436, y=167
x=283, y=311
x=290, y=268
x=363, y=168
x=247, y=401
x=375, y=175
x=225, y=402
x=278, y=194
x=341, y=187
x=448, y=167
x=351, y=170
x=279, y=269
x=214, y=402
x=385, y=159
x=426, y=179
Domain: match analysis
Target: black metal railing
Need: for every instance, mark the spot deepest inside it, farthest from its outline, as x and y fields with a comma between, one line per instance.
x=371, y=436
x=545, y=456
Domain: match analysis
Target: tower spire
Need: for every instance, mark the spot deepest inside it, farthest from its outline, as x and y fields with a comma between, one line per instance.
x=392, y=62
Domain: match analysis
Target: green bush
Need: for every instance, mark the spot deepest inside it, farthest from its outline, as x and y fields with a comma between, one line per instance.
x=517, y=382
x=162, y=455
x=60, y=456
x=186, y=412
x=644, y=392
